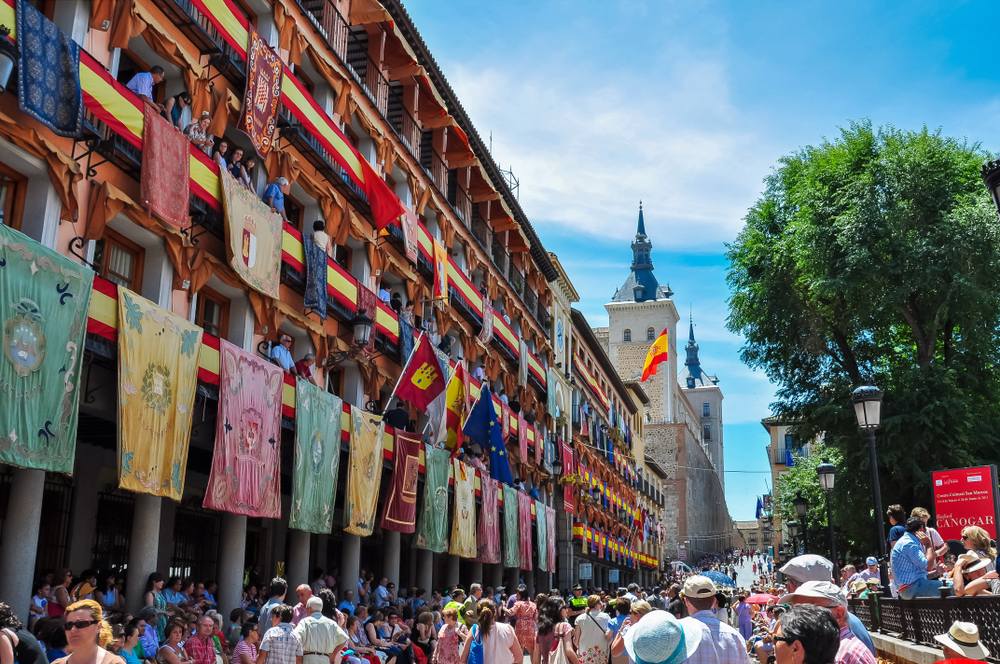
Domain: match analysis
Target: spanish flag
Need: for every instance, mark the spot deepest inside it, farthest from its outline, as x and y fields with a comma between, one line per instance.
x=451, y=424
x=657, y=354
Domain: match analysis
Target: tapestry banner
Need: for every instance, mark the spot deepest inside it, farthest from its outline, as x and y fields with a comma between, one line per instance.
x=44, y=299
x=489, y=522
x=157, y=381
x=165, y=180
x=317, y=457
x=463, y=525
x=432, y=527
x=364, y=472
x=524, y=503
x=522, y=438
x=409, y=222
x=315, y=296
x=253, y=236
x=245, y=464
x=486, y=331
x=401, y=506
x=263, y=92
x=541, y=536
x=550, y=523
x=511, y=541
x=48, y=72
x=440, y=291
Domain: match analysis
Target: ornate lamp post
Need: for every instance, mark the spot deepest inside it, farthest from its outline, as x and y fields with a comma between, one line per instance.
x=867, y=401
x=801, y=510
x=827, y=476
x=793, y=532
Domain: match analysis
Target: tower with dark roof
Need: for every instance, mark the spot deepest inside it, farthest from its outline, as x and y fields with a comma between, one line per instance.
x=641, y=284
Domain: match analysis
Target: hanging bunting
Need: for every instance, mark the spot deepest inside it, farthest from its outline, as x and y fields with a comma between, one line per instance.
x=364, y=472
x=463, y=525
x=245, y=463
x=432, y=526
x=400, y=511
x=157, y=380
x=511, y=540
x=318, y=427
x=44, y=299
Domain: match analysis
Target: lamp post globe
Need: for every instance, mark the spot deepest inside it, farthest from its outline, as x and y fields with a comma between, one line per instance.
x=801, y=506
x=867, y=401
x=362, y=326
x=827, y=476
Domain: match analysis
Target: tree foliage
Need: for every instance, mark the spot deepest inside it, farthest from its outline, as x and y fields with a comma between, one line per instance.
x=802, y=479
x=875, y=258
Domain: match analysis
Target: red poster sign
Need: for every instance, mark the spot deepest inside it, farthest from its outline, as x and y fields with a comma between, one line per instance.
x=965, y=497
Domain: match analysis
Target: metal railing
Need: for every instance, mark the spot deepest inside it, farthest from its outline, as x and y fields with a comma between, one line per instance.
x=920, y=620
x=459, y=199
x=404, y=125
x=516, y=278
x=330, y=23
x=435, y=167
x=481, y=231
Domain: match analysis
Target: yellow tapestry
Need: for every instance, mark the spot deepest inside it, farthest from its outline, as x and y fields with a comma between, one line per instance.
x=253, y=237
x=364, y=472
x=463, y=527
x=157, y=378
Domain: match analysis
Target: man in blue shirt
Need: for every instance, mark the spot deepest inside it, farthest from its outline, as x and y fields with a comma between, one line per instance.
x=911, y=559
x=281, y=353
x=347, y=604
x=274, y=196
x=142, y=83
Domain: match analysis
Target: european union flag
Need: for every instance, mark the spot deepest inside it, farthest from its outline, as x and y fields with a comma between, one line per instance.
x=789, y=459
x=760, y=508
x=483, y=427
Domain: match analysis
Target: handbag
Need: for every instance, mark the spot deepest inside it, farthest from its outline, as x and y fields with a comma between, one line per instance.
x=558, y=653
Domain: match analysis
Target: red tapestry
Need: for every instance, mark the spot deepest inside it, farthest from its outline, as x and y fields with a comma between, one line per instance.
x=263, y=91
x=522, y=438
x=524, y=503
x=245, y=463
x=539, y=448
x=368, y=303
x=165, y=180
x=401, y=506
x=409, y=222
x=569, y=490
x=489, y=522
x=550, y=541
x=505, y=416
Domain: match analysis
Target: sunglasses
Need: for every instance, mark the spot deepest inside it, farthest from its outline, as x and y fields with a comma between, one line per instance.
x=78, y=624
x=785, y=639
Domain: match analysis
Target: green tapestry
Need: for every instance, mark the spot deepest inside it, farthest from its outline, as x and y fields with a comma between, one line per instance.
x=511, y=542
x=317, y=458
x=44, y=298
x=432, y=525
x=540, y=532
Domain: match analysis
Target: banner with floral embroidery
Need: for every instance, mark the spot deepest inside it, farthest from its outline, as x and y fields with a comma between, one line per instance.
x=246, y=460
x=463, y=524
x=541, y=528
x=489, y=521
x=157, y=380
x=511, y=540
x=432, y=524
x=524, y=503
x=318, y=420
x=364, y=472
x=550, y=522
x=44, y=299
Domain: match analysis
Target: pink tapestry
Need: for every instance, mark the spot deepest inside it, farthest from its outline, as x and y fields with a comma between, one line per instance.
x=550, y=522
x=164, y=179
x=504, y=420
x=410, y=222
x=524, y=503
x=522, y=439
x=489, y=523
x=245, y=464
x=539, y=448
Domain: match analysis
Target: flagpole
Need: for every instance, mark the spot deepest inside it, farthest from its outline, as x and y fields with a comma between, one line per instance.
x=402, y=373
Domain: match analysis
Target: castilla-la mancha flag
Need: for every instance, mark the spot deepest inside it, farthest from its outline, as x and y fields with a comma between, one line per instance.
x=658, y=352
x=422, y=380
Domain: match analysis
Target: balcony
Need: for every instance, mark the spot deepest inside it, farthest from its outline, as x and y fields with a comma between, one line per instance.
x=200, y=30
x=432, y=162
x=402, y=122
x=317, y=154
x=459, y=199
x=481, y=231
x=330, y=23
x=517, y=281
x=501, y=259
x=98, y=138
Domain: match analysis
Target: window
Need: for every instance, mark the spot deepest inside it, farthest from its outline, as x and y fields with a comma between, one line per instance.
x=627, y=335
x=119, y=260
x=13, y=185
x=706, y=433
x=706, y=409
x=212, y=313
x=293, y=210
x=650, y=334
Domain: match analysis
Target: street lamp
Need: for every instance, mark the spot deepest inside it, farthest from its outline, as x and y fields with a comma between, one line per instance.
x=802, y=509
x=827, y=476
x=793, y=532
x=867, y=401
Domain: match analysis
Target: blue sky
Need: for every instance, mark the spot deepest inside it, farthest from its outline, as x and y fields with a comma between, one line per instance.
x=687, y=106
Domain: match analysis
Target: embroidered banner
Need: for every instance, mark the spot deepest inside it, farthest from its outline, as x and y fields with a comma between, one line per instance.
x=489, y=522
x=440, y=291
x=48, y=72
x=463, y=525
x=166, y=168
x=486, y=331
x=245, y=464
x=364, y=472
x=550, y=523
x=317, y=457
x=522, y=363
x=551, y=390
x=541, y=534
x=569, y=490
x=409, y=223
x=253, y=236
x=157, y=380
x=522, y=438
x=401, y=506
x=511, y=541
x=44, y=299
x=539, y=446
x=524, y=503
x=432, y=527
x=263, y=91
x=315, y=296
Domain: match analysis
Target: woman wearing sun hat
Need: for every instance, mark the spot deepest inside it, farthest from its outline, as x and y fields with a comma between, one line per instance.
x=660, y=638
x=962, y=640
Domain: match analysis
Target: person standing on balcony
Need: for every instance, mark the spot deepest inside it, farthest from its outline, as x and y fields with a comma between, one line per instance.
x=142, y=83
x=274, y=196
x=197, y=133
x=178, y=109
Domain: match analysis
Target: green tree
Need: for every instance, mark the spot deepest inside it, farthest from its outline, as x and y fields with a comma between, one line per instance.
x=801, y=479
x=875, y=257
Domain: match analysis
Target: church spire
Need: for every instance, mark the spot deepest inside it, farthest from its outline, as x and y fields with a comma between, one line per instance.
x=693, y=363
x=641, y=230
x=641, y=285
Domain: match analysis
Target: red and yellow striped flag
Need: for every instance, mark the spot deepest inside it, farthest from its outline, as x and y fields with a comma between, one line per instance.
x=454, y=413
x=658, y=353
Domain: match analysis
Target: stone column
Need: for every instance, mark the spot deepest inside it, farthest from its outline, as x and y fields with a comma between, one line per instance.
x=144, y=546
x=84, y=516
x=476, y=570
x=168, y=520
x=390, y=556
x=350, y=563
x=232, y=560
x=513, y=579
x=298, y=558
x=20, y=539
x=321, y=562
x=425, y=570
x=452, y=576
x=496, y=575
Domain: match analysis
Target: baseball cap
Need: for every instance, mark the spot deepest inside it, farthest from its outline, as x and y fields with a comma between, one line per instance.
x=871, y=560
x=660, y=638
x=824, y=590
x=699, y=586
x=808, y=567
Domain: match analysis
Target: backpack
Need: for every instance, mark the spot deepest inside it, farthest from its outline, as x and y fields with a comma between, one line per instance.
x=476, y=648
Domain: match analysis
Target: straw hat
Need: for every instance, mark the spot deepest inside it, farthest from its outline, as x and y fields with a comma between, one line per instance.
x=963, y=637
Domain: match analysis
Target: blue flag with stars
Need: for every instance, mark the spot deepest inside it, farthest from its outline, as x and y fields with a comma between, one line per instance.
x=483, y=427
